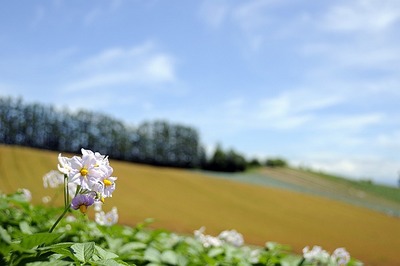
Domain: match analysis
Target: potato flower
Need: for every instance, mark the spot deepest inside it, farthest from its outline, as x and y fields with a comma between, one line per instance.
x=81, y=202
x=107, y=219
x=231, y=237
x=316, y=254
x=91, y=172
x=207, y=240
x=88, y=179
x=340, y=256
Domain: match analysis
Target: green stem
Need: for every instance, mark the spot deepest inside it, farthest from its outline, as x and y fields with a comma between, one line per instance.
x=66, y=202
x=65, y=191
x=59, y=219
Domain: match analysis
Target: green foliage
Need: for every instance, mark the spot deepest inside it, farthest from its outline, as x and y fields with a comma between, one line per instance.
x=46, y=127
x=79, y=241
x=226, y=161
x=276, y=162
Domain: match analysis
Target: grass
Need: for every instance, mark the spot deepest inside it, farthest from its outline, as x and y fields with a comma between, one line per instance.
x=390, y=193
x=183, y=201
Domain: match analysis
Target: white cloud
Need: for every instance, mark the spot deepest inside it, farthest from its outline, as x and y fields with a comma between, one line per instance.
x=252, y=14
x=380, y=169
x=101, y=10
x=214, y=13
x=294, y=108
x=362, y=15
x=287, y=111
x=389, y=140
x=139, y=65
x=350, y=123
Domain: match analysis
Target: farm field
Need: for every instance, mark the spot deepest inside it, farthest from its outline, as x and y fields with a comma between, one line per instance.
x=182, y=201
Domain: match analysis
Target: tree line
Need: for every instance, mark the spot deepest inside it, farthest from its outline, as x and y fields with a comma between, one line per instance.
x=157, y=142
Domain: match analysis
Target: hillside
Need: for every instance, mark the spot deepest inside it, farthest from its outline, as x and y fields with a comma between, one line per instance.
x=360, y=193
x=182, y=201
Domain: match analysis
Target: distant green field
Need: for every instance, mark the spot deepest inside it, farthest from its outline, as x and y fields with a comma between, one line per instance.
x=183, y=200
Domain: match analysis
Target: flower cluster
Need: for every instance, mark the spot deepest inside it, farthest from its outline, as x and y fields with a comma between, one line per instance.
x=87, y=179
x=231, y=237
x=319, y=256
x=91, y=173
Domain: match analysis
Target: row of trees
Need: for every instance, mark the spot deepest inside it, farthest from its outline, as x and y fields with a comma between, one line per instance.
x=158, y=143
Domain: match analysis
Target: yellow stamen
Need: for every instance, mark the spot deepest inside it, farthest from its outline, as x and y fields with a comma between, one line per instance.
x=83, y=208
x=84, y=171
x=107, y=182
x=102, y=199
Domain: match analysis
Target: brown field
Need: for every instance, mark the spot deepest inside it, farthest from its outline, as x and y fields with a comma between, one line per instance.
x=183, y=201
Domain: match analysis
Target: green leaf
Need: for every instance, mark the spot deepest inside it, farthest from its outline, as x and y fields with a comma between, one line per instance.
x=83, y=251
x=291, y=260
x=50, y=263
x=127, y=248
x=5, y=235
x=109, y=262
x=31, y=241
x=152, y=255
x=25, y=227
x=58, y=245
x=169, y=257
x=114, y=243
x=104, y=254
x=215, y=252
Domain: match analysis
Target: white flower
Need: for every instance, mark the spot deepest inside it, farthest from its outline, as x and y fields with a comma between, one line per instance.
x=211, y=241
x=98, y=206
x=91, y=171
x=70, y=218
x=101, y=159
x=109, y=186
x=316, y=254
x=53, y=179
x=27, y=195
x=340, y=256
x=64, y=164
x=207, y=240
x=199, y=232
x=255, y=255
x=232, y=237
x=85, y=171
x=107, y=219
x=46, y=199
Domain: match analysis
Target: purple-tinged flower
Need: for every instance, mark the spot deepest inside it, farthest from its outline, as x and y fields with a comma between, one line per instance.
x=81, y=202
x=26, y=194
x=341, y=256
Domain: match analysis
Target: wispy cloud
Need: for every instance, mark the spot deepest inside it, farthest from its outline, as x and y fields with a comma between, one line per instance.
x=100, y=10
x=366, y=166
x=350, y=122
x=214, y=13
x=362, y=16
x=139, y=65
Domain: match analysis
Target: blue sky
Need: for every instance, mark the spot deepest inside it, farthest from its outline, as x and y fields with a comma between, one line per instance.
x=315, y=82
